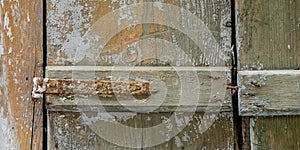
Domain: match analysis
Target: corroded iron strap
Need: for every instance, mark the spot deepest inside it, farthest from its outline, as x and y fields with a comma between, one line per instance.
x=100, y=87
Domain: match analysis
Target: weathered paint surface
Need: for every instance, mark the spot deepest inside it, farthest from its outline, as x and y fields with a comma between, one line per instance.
x=268, y=34
x=20, y=59
x=70, y=131
x=264, y=93
x=268, y=39
x=275, y=132
x=69, y=23
x=165, y=86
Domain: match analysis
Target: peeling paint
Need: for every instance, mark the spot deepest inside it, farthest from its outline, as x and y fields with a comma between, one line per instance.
x=252, y=135
x=1, y=49
x=67, y=36
x=2, y=3
x=10, y=50
x=104, y=116
x=7, y=27
x=254, y=66
x=28, y=17
x=178, y=142
x=15, y=12
x=6, y=133
x=65, y=39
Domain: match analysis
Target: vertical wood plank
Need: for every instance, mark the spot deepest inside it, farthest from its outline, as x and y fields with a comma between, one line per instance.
x=193, y=136
x=69, y=21
x=268, y=34
x=21, y=60
x=268, y=38
x=275, y=132
x=69, y=130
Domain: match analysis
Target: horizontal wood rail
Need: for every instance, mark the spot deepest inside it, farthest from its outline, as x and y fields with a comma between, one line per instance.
x=269, y=92
x=70, y=88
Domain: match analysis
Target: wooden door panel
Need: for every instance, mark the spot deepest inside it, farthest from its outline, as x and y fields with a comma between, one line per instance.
x=156, y=48
x=268, y=38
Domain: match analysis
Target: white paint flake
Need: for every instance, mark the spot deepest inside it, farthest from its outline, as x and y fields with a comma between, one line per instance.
x=2, y=3
x=7, y=27
x=68, y=34
x=178, y=142
x=28, y=17
x=10, y=50
x=7, y=136
x=1, y=49
x=158, y=5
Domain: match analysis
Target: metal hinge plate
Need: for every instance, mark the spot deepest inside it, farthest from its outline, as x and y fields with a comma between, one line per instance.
x=92, y=87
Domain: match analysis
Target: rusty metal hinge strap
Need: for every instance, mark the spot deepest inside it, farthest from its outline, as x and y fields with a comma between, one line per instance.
x=99, y=87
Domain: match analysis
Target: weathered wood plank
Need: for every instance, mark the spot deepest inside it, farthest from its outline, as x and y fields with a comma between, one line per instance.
x=160, y=128
x=69, y=130
x=21, y=60
x=268, y=34
x=165, y=84
x=68, y=22
x=268, y=38
x=38, y=127
x=280, y=132
x=265, y=93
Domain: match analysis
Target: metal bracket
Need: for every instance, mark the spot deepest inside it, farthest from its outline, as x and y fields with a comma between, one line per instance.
x=102, y=88
x=39, y=87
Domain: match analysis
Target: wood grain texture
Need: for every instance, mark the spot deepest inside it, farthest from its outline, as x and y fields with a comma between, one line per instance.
x=194, y=134
x=165, y=84
x=38, y=128
x=73, y=27
x=268, y=34
x=21, y=60
x=71, y=130
x=264, y=93
x=268, y=38
x=74, y=30
x=275, y=132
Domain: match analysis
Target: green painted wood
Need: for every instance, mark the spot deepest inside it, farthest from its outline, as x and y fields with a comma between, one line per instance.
x=268, y=39
x=275, y=132
x=268, y=34
x=269, y=92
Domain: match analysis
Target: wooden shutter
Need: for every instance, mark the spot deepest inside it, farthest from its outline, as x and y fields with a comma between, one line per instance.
x=268, y=42
x=68, y=22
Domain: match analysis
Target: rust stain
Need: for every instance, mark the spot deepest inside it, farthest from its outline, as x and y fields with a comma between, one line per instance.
x=99, y=87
